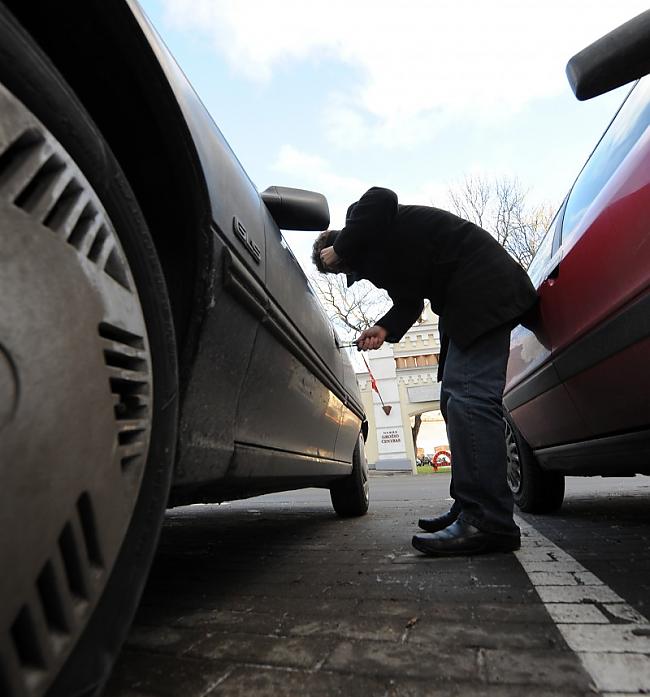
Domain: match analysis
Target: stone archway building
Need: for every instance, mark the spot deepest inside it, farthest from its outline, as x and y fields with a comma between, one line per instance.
x=406, y=378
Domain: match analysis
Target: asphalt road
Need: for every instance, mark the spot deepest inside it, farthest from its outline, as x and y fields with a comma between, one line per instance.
x=277, y=596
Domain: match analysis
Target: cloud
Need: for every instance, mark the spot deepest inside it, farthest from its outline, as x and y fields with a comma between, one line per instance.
x=413, y=65
x=306, y=170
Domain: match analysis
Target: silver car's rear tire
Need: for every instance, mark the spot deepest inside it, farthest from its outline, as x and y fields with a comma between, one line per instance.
x=351, y=496
x=87, y=386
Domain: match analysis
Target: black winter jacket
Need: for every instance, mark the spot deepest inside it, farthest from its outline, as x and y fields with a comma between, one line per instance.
x=418, y=252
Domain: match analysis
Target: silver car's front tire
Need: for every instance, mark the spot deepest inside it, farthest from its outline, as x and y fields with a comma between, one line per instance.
x=87, y=384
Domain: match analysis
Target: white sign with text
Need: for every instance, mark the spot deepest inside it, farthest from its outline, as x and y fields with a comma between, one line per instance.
x=390, y=440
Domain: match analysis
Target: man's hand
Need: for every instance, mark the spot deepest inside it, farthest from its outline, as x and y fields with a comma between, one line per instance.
x=372, y=338
x=329, y=257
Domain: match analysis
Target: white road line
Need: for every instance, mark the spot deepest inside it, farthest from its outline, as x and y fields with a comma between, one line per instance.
x=611, y=638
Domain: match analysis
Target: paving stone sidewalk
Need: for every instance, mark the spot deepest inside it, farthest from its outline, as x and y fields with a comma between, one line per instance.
x=277, y=596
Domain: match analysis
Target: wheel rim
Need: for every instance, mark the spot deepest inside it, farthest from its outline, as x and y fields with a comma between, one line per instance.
x=76, y=390
x=513, y=460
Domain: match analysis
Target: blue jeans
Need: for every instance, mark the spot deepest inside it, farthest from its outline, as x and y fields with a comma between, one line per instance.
x=471, y=404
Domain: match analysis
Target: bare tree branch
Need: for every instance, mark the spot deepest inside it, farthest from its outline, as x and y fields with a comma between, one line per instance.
x=500, y=206
x=351, y=310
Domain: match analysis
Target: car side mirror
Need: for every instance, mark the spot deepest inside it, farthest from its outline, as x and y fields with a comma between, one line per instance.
x=613, y=60
x=297, y=209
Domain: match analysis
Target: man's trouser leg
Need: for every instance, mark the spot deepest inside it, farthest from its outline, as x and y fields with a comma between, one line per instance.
x=444, y=399
x=472, y=386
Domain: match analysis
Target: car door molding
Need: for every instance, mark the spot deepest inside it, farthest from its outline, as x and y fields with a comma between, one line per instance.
x=629, y=326
x=250, y=293
x=543, y=380
x=243, y=286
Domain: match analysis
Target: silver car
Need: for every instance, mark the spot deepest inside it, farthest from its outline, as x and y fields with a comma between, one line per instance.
x=159, y=344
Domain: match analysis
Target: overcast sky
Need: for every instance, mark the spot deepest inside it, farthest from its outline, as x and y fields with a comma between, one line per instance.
x=341, y=95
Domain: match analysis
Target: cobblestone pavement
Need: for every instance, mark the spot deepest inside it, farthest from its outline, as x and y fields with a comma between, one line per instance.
x=277, y=596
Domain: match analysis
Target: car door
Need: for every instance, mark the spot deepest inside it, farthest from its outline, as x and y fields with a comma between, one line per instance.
x=535, y=397
x=296, y=360
x=601, y=327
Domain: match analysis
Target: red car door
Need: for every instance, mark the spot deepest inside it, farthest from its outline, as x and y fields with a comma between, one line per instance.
x=598, y=322
x=535, y=396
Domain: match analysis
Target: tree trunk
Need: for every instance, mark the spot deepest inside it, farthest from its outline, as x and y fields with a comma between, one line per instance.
x=415, y=429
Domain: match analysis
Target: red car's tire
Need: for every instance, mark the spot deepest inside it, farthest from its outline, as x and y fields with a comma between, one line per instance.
x=533, y=489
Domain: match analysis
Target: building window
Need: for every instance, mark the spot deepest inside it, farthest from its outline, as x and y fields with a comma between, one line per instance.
x=422, y=361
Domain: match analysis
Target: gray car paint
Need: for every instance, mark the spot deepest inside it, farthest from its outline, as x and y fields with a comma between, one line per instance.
x=275, y=399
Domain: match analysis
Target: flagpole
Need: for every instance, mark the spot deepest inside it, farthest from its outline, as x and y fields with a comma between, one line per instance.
x=373, y=385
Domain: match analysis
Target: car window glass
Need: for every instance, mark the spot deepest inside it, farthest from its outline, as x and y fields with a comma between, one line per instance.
x=538, y=268
x=628, y=126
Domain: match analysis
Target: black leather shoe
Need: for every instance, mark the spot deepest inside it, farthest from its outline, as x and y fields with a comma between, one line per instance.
x=438, y=523
x=461, y=538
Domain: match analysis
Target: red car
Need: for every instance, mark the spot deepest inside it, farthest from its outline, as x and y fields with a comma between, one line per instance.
x=577, y=397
